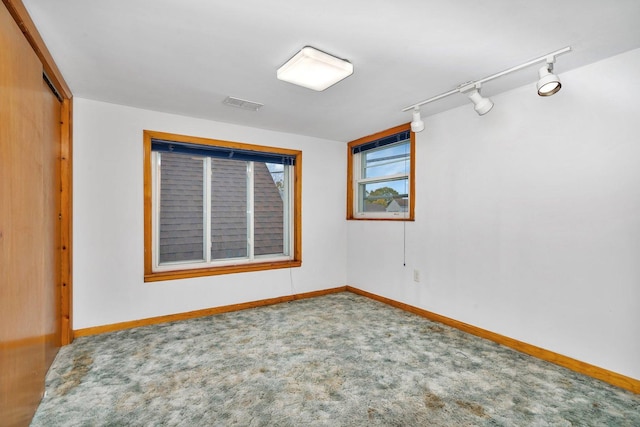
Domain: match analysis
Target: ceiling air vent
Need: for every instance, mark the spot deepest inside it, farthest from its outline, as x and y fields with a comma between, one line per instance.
x=242, y=103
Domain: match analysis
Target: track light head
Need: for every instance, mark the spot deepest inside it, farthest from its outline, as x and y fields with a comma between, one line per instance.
x=549, y=83
x=417, y=125
x=481, y=104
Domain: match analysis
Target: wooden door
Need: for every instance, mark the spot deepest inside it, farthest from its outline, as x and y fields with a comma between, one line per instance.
x=29, y=226
x=51, y=216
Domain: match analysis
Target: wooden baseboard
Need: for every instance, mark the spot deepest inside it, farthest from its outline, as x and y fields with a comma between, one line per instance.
x=201, y=313
x=584, y=368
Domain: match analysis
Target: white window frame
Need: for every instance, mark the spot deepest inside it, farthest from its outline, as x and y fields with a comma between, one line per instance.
x=207, y=242
x=358, y=181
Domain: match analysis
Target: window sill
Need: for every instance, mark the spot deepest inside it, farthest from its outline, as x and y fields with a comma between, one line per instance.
x=373, y=217
x=380, y=219
x=214, y=271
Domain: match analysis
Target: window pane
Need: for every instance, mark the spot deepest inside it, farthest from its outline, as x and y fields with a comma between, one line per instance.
x=384, y=196
x=270, y=190
x=181, y=208
x=228, y=209
x=388, y=160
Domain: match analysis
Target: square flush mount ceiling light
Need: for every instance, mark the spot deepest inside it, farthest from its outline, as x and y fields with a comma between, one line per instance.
x=314, y=69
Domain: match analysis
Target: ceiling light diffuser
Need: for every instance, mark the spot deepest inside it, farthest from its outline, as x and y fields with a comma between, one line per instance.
x=314, y=69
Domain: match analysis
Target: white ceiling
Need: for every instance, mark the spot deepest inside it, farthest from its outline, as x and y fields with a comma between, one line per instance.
x=187, y=56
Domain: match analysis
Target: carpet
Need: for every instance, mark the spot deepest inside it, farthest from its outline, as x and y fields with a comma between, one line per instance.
x=336, y=360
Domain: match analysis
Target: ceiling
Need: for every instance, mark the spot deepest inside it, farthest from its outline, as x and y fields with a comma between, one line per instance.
x=187, y=56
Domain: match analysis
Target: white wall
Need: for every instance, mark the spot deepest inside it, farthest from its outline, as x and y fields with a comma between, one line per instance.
x=108, y=236
x=527, y=219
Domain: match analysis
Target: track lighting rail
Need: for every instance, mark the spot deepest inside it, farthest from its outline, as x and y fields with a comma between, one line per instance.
x=549, y=58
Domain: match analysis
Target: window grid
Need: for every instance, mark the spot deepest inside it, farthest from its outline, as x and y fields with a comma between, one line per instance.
x=206, y=189
x=250, y=212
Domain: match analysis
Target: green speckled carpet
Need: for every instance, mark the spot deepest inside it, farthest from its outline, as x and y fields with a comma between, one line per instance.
x=337, y=360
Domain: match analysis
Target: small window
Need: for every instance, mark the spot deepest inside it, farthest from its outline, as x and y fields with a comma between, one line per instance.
x=380, y=176
x=217, y=207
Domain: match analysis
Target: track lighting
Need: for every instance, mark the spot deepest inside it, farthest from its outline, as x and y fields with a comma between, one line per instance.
x=547, y=85
x=417, y=125
x=481, y=104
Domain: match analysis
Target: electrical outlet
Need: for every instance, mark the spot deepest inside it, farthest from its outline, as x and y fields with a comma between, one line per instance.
x=416, y=275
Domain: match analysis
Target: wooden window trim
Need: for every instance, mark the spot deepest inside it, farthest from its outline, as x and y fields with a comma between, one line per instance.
x=153, y=276
x=412, y=161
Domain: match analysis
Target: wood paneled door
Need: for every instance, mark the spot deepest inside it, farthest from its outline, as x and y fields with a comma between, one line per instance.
x=32, y=271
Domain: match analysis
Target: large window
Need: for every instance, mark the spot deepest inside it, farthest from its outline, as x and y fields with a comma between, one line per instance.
x=217, y=207
x=380, y=176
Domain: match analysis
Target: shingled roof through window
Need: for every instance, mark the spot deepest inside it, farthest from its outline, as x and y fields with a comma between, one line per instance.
x=181, y=208
x=181, y=216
